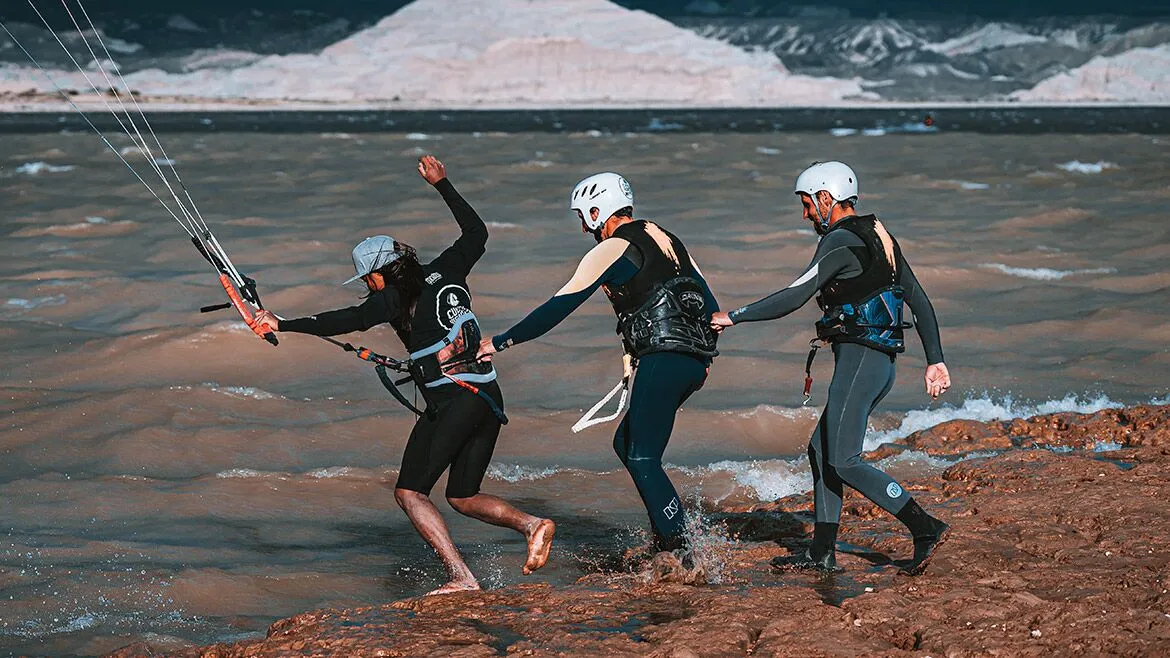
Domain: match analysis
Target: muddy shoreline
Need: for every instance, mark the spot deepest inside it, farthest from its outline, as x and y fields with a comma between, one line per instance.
x=1059, y=548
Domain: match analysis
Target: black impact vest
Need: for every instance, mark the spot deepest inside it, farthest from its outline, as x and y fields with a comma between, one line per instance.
x=662, y=308
x=866, y=309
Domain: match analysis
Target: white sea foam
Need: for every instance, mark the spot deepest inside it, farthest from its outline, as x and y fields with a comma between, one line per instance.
x=242, y=473
x=331, y=472
x=767, y=480
x=968, y=185
x=1078, y=167
x=764, y=150
x=1044, y=273
x=920, y=460
x=34, y=168
x=492, y=224
x=243, y=392
x=764, y=410
x=985, y=409
x=519, y=473
x=35, y=302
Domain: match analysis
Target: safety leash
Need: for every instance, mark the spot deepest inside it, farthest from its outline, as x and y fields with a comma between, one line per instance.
x=814, y=345
x=503, y=418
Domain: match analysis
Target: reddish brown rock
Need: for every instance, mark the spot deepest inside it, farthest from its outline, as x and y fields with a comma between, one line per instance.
x=961, y=436
x=1136, y=426
x=1051, y=554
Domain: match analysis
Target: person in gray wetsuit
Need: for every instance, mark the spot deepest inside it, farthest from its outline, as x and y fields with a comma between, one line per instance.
x=863, y=281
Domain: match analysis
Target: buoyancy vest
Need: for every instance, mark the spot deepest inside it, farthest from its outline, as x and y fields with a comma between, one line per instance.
x=868, y=308
x=663, y=307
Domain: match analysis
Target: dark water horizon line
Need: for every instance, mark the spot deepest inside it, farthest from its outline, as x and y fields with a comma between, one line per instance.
x=921, y=119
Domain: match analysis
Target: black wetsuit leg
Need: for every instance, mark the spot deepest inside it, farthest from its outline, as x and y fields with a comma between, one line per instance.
x=861, y=378
x=663, y=383
x=462, y=436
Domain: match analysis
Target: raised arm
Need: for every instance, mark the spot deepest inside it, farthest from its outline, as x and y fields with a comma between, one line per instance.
x=469, y=247
x=833, y=256
x=604, y=264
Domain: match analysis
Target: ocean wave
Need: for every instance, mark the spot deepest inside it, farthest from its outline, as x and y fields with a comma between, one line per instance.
x=331, y=472
x=243, y=392
x=985, y=409
x=36, y=168
x=248, y=473
x=35, y=302
x=764, y=410
x=767, y=480
x=1044, y=273
x=1078, y=167
x=513, y=473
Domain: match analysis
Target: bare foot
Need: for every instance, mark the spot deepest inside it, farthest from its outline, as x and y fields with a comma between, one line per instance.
x=455, y=586
x=539, y=545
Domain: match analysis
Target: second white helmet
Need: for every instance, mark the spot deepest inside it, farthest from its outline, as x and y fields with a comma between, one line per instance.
x=607, y=192
x=836, y=178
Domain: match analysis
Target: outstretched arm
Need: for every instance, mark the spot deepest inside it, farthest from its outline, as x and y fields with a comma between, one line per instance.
x=379, y=308
x=605, y=263
x=833, y=256
x=469, y=247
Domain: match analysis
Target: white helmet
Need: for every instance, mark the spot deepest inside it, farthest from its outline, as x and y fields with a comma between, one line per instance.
x=836, y=178
x=608, y=192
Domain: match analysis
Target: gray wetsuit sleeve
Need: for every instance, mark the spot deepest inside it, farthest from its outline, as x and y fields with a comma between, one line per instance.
x=924, y=319
x=834, y=258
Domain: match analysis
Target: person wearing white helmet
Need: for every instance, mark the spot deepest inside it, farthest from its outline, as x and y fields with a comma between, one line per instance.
x=429, y=307
x=863, y=280
x=664, y=306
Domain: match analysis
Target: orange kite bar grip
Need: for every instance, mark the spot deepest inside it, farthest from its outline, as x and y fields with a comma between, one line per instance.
x=259, y=328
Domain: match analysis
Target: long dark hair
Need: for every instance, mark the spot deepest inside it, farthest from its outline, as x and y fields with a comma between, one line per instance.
x=405, y=275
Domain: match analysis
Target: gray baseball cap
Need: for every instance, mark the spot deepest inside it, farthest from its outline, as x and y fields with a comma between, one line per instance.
x=372, y=254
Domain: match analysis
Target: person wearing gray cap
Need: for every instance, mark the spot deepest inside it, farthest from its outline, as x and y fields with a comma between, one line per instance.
x=429, y=307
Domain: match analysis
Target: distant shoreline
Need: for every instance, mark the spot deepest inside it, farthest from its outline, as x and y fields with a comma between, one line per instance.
x=1005, y=118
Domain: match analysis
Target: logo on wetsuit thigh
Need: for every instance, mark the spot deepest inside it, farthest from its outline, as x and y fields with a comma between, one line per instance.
x=671, y=509
x=893, y=490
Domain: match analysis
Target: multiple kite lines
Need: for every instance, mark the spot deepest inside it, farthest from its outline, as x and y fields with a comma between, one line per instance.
x=183, y=209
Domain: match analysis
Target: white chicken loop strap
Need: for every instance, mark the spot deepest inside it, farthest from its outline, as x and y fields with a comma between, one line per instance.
x=589, y=421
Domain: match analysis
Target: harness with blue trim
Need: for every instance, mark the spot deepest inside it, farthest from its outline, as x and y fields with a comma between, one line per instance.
x=451, y=360
x=866, y=309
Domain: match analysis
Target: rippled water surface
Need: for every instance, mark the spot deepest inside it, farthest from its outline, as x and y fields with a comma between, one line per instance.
x=164, y=472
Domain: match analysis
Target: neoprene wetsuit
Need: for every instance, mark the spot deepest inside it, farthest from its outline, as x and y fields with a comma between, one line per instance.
x=462, y=432
x=665, y=379
x=862, y=375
